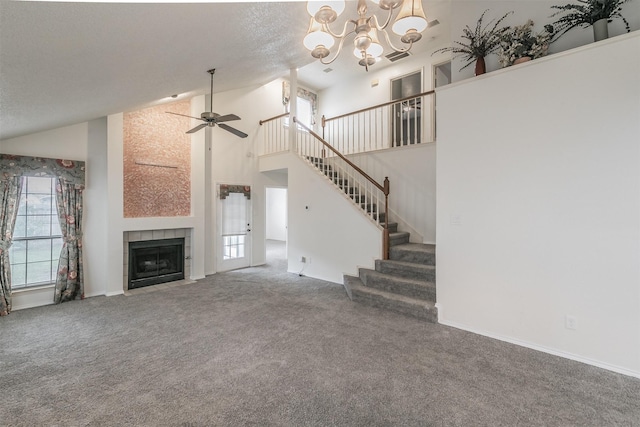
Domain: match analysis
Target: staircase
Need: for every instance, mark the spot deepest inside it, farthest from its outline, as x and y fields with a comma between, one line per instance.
x=405, y=283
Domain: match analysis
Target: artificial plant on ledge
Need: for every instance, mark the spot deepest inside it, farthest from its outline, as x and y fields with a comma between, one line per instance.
x=589, y=13
x=521, y=44
x=479, y=43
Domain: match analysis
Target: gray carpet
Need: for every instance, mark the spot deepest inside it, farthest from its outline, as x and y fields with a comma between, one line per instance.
x=264, y=347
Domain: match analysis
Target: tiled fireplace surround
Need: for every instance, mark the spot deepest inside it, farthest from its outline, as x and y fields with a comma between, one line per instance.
x=139, y=236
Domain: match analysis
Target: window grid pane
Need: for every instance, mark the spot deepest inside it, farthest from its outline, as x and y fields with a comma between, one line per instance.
x=37, y=237
x=233, y=247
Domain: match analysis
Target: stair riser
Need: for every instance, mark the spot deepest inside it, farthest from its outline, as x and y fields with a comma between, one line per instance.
x=429, y=314
x=399, y=239
x=394, y=285
x=410, y=256
x=413, y=271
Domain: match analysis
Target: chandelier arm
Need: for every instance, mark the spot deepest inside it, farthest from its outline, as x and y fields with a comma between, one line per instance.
x=405, y=49
x=337, y=52
x=386, y=23
x=345, y=33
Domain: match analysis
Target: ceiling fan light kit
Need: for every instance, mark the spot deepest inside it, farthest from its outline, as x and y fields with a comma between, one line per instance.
x=409, y=23
x=212, y=119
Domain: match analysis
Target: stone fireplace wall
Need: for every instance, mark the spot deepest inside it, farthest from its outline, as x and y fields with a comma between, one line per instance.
x=140, y=236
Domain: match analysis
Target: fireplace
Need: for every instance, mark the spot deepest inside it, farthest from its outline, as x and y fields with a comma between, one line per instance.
x=155, y=261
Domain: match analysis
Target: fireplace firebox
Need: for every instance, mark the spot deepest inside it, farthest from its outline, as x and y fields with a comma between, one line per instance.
x=155, y=261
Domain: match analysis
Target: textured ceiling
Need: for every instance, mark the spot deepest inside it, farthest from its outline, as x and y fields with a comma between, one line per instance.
x=65, y=63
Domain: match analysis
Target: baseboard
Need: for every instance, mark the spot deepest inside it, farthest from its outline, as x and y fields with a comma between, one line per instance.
x=566, y=355
x=114, y=293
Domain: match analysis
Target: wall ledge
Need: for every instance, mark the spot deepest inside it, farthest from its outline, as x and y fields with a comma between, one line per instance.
x=595, y=45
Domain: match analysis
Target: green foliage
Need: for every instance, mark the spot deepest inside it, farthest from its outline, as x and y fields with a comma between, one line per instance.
x=586, y=13
x=479, y=42
x=521, y=41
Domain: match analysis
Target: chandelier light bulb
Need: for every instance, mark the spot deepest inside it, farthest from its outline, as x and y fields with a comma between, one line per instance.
x=316, y=37
x=325, y=11
x=373, y=47
x=410, y=17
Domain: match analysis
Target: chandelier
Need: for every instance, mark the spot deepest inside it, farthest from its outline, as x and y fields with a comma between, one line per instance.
x=408, y=24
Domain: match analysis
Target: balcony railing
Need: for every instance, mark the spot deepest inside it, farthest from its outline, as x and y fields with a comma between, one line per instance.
x=405, y=121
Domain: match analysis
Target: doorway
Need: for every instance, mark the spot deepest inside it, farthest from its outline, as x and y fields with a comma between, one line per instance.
x=276, y=226
x=407, y=126
x=234, y=236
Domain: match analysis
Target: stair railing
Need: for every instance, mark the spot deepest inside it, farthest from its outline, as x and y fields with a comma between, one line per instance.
x=391, y=124
x=276, y=134
x=357, y=184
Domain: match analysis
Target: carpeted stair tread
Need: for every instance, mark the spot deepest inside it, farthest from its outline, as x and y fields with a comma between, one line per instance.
x=414, y=288
x=397, y=303
x=414, y=252
x=410, y=270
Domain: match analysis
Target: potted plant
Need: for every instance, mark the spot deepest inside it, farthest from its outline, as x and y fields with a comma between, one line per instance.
x=520, y=44
x=589, y=13
x=479, y=42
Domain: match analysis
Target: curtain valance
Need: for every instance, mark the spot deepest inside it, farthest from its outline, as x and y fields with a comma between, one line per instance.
x=70, y=171
x=302, y=93
x=225, y=189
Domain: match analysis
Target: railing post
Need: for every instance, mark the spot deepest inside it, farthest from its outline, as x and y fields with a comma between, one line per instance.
x=385, y=233
x=293, y=108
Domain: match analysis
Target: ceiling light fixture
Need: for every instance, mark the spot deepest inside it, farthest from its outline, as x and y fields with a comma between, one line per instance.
x=408, y=24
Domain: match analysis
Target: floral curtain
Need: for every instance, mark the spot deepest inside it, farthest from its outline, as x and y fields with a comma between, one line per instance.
x=302, y=93
x=70, y=175
x=226, y=189
x=10, y=189
x=69, y=282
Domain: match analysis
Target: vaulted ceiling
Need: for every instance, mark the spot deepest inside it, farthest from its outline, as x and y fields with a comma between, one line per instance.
x=65, y=63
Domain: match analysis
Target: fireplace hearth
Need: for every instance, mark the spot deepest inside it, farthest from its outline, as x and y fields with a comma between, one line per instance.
x=155, y=261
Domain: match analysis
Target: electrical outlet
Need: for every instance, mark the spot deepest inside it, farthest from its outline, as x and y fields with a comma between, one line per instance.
x=303, y=259
x=570, y=322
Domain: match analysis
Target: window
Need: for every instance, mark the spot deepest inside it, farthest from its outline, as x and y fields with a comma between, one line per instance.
x=304, y=113
x=37, y=239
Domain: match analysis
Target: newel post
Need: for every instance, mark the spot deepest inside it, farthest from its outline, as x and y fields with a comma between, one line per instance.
x=293, y=108
x=385, y=233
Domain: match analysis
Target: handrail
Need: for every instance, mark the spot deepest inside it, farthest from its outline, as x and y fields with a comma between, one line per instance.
x=273, y=118
x=384, y=189
x=395, y=101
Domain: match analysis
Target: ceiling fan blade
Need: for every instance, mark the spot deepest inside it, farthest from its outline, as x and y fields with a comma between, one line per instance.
x=197, y=128
x=227, y=118
x=232, y=130
x=183, y=115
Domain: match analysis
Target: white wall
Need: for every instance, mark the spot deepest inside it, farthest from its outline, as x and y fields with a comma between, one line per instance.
x=538, y=204
x=465, y=13
x=412, y=178
x=234, y=160
x=324, y=225
x=276, y=214
x=85, y=142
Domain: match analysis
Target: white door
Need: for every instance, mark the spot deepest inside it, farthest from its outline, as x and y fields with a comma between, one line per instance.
x=234, y=230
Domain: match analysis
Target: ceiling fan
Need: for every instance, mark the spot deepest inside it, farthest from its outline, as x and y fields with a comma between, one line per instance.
x=212, y=119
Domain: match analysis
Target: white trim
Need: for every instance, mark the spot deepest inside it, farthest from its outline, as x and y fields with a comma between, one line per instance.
x=114, y=293
x=536, y=347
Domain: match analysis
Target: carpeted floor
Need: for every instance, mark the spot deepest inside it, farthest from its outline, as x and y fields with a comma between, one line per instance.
x=264, y=347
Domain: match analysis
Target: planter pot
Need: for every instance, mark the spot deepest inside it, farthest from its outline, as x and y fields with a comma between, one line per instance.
x=521, y=60
x=600, y=30
x=481, y=67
